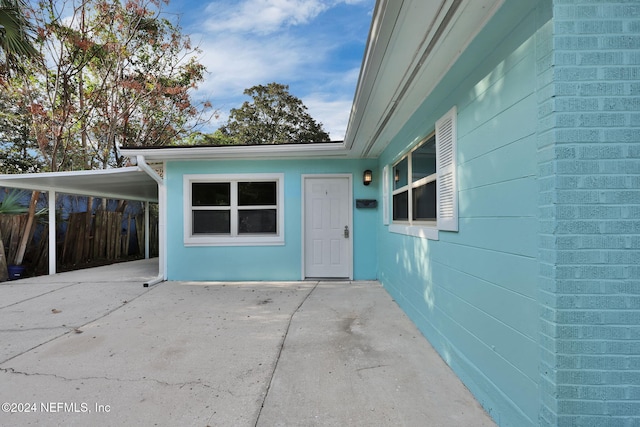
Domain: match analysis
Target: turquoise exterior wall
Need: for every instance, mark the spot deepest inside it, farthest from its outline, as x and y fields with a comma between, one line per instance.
x=589, y=205
x=474, y=293
x=266, y=262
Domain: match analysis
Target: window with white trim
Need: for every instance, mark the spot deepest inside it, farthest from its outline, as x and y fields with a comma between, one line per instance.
x=414, y=185
x=424, y=186
x=233, y=209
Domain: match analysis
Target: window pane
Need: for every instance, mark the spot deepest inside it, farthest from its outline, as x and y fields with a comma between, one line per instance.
x=400, y=172
x=401, y=206
x=256, y=193
x=424, y=202
x=211, y=222
x=423, y=160
x=210, y=194
x=257, y=221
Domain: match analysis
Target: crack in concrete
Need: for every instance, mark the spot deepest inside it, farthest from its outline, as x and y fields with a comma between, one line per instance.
x=42, y=294
x=127, y=380
x=284, y=338
x=74, y=329
x=371, y=367
x=52, y=328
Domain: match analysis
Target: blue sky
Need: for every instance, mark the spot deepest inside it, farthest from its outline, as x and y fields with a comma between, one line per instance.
x=314, y=46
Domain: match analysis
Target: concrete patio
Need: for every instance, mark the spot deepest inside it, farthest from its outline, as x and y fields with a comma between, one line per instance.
x=95, y=347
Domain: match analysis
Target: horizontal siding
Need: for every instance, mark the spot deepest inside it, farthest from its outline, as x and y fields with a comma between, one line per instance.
x=519, y=278
x=461, y=348
x=500, y=94
x=501, y=130
x=480, y=318
x=491, y=167
x=498, y=207
x=500, y=200
x=511, y=235
x=505, y=304
x=474, y=293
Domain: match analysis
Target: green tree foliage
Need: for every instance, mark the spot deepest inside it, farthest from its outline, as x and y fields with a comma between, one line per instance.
x=216, y=138
x=274, y=116
x=116, y=74
x=18, y=153
x=16, y=38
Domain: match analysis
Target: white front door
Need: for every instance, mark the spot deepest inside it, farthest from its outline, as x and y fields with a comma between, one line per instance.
x=327, y=227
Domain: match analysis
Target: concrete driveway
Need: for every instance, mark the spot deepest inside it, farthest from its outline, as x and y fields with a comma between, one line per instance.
x=95, y=347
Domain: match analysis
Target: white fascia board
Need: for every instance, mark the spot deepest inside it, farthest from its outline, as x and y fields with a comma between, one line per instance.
x=383, y=23
x=239, y=152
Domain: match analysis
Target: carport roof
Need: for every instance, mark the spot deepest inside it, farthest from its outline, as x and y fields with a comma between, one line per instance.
x=129, y=183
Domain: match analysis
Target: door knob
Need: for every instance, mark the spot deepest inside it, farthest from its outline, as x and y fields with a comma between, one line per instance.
x=346, y=231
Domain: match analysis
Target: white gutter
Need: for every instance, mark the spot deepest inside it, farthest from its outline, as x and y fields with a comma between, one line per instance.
x=162, y=197
x=142, y=164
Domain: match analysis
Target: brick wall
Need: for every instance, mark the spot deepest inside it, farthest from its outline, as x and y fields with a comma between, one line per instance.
x=589, y=180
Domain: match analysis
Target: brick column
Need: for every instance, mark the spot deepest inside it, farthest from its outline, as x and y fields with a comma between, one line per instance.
x=589, y=181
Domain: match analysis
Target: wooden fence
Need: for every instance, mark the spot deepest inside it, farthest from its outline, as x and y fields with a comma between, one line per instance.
x=101, y=237
x=12, y=227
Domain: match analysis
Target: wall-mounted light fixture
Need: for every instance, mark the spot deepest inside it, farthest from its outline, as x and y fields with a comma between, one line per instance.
x=396, y=177
x=367, y=177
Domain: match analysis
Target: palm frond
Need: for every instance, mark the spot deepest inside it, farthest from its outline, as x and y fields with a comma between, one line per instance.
x=16, y=40
x=11, y=204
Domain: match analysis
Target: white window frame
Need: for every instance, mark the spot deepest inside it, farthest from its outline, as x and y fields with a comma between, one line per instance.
x=233, y=239
x=446, y=184
x=411, y=227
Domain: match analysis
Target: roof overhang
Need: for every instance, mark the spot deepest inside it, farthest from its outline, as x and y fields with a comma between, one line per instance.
x=411, y=46
x=267, y=151
x=130, y=183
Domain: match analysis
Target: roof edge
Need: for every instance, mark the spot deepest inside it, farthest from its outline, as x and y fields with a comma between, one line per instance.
x=263, y=151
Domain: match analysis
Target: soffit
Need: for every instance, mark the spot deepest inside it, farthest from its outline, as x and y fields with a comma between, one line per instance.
x=411, y=46
x=130, y=183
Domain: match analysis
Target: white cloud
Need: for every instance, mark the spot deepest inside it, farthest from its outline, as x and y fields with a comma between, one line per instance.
x=262, y=16
x=332, y=113
x=266, y=16
x=236, y=63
